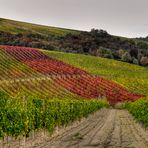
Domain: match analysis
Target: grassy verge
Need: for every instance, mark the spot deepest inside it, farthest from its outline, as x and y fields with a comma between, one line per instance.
x=139, y=109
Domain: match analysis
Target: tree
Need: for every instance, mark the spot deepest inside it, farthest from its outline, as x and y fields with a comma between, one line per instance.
x=135, y=61
x=144, y=61
x=126, y=57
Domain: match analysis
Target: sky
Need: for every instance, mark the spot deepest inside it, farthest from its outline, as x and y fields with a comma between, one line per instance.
x=127, y=18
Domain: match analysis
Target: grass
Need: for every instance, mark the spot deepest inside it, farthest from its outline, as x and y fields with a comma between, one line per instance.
x=139, y=109
x=133, y=77
x=15, y=27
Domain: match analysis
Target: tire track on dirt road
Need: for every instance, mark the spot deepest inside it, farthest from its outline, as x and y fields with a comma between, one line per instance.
x=106, y=128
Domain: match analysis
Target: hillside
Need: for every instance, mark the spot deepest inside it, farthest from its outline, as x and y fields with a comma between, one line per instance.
x=43, y=90
x=16, y=27
x=34, y=67
x=143, y=39
x=133, y=77
x=96, y=42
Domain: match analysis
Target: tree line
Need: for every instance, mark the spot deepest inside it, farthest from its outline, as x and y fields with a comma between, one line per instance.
x=95, y=43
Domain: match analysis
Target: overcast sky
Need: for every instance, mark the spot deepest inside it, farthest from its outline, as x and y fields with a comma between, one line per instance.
x=119, y=17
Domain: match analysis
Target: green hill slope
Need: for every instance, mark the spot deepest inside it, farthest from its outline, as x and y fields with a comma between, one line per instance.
x=96, y=42
x=133, y=77
x=15, y=27
x=45, y=93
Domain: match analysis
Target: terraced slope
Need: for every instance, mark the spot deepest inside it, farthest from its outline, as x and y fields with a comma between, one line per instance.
x=57, y=77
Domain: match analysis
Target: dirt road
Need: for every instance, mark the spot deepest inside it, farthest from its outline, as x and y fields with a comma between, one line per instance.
x=107, y=128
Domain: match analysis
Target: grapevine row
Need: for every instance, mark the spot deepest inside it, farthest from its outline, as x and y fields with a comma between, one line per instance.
x=73, y=79
x=23, y=117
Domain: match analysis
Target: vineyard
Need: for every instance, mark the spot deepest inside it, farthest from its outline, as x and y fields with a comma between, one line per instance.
x=53, y=75
x=43, y=90
x=133, y=78
x=21, y=117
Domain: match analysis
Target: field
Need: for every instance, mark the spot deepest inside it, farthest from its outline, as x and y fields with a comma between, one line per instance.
x=132, y=77
x=44, y=89
x=15, y=27
x=56, y=74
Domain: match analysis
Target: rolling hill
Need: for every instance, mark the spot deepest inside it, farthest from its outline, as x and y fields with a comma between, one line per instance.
x=96, y=42
x=16, y=27
x=43, y=90
x=34, y=67
x=133, y=77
